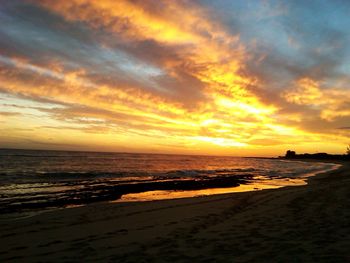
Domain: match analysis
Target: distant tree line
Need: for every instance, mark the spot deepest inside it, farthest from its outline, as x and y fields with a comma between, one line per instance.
x=319, y=156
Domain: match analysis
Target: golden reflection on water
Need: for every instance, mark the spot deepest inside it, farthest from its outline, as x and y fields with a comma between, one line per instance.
x=256, y=186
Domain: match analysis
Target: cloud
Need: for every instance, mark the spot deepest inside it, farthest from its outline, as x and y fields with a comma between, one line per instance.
x=330, y=102
x=180, y=71
x=8, y=114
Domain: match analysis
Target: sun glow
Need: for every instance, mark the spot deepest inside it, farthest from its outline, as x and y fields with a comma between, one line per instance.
x=130, y=76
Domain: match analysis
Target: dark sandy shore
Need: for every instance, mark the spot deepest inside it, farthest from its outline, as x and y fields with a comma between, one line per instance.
x=292, y=224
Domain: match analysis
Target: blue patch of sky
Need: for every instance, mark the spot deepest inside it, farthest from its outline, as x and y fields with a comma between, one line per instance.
x=254, y=21
x=292, y=31
x=322, y=28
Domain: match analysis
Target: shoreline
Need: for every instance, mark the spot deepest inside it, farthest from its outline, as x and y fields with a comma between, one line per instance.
x=157, y=195
x=305, y=223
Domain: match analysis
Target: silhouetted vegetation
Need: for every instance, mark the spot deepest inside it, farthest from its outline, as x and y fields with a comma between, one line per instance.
x=318, y=156
x=290, y=154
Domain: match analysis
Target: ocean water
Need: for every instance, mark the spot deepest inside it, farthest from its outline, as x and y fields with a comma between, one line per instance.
x=32, y=180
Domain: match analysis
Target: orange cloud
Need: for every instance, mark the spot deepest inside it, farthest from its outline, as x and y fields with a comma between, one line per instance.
x=228, y=115
x=331, y=102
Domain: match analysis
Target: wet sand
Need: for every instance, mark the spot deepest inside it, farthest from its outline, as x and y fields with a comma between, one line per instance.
x=308, y=223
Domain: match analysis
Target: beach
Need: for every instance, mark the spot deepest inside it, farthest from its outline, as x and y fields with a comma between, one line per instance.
x=309, y=223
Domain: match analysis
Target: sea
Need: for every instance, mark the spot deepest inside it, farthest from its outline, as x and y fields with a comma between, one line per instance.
x=40, y=180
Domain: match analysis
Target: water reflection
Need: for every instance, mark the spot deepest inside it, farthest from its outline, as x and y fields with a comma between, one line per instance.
x=163, y=195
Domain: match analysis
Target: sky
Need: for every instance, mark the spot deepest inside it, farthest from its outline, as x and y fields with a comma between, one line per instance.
x=241, y=78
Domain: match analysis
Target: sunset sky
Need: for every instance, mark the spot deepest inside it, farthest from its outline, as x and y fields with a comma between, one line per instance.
x=252, y=78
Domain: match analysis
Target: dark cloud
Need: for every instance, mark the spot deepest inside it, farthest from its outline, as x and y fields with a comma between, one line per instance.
x=34, y=34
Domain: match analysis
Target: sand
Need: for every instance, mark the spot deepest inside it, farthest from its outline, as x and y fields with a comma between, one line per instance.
x=292, y=224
